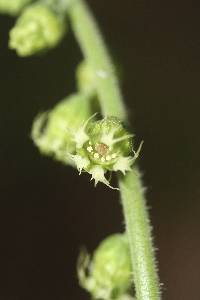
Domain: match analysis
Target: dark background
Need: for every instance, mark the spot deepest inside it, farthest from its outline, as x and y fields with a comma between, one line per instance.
x=46, y=211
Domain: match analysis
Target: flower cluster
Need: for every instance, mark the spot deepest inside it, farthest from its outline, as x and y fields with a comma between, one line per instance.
x=108, y=274
x=72, y=136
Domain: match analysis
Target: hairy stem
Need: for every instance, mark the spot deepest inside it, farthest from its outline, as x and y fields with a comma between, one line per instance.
x=139, y=235
x=95, y=51
x=133, y=201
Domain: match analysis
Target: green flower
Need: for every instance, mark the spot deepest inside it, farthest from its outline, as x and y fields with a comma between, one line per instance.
x=103, y=146
x=13, y=7
x=53, y=131
x=37, y=29
x=108, y=275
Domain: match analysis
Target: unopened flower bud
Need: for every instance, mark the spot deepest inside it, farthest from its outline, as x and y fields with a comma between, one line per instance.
x=53, y=131
x=86, y=78
x=13, y=7
x=108, y=274
x=38, y=28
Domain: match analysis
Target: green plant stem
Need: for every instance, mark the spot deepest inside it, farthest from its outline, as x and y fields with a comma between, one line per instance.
x=133, y=201
x=95, y=51
x=139, y=235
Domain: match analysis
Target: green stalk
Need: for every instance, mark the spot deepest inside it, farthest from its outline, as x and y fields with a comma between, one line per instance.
x=133, y=201
x=95, y=51
x=139, y=235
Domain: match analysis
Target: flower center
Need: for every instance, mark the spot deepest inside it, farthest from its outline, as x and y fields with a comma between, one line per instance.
x=102, y=149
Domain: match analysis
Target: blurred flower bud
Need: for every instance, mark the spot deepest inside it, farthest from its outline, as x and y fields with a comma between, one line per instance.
x=13, y=7
x=53, y=131
x=86, y=78
x=108, y=275
x=38, y=28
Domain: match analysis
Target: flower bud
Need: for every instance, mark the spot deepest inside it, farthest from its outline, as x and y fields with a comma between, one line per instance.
x=108, y=275
x=86, y=78
x=53, y=131
x=13, y=7
x=37, y=29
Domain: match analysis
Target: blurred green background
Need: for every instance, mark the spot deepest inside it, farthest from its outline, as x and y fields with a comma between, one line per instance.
x=47, y=212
